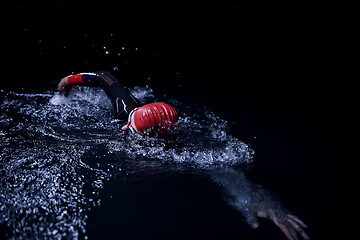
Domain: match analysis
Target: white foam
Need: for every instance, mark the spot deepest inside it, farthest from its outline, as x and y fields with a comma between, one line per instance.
x=58, y=99
x=49, y=141
x=199, y=144
x=141, y=93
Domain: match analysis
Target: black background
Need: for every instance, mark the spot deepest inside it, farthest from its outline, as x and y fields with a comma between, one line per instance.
x=278, y=55
x=282, y=60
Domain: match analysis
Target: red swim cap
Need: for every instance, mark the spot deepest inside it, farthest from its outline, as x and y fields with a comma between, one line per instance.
x=157, y=114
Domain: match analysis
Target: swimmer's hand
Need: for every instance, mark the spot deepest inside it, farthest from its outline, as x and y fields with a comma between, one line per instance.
x=289, y=224
x=254, y=202
x=64, y=87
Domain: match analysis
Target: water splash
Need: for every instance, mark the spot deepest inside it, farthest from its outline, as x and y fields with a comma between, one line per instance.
x=57, y=153
x=201, y=144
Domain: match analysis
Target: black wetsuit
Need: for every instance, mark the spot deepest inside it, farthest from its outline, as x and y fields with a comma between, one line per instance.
x=121, y=98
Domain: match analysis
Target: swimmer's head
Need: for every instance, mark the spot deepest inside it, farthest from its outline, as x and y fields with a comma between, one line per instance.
x=159, y=116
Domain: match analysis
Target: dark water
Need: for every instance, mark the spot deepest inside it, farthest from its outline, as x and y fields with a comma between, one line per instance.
x=257, y=115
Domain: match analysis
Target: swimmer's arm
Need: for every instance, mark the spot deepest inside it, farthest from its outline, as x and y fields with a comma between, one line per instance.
x=65, y=83
x=85, y=79
x=253, y=201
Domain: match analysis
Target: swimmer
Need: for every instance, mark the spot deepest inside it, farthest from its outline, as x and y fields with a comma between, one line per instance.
x=157, y=116
x=251, y=200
